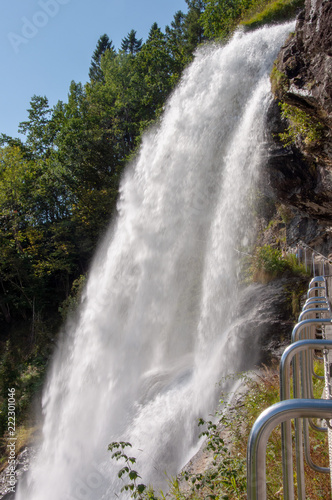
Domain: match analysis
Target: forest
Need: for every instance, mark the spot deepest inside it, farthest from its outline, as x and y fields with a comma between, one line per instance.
x=59, y=186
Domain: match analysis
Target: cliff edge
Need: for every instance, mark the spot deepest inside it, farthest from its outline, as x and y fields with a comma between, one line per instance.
x=299, y=167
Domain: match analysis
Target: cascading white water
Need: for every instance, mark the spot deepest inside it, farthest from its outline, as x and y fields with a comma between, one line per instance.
x=154, y=334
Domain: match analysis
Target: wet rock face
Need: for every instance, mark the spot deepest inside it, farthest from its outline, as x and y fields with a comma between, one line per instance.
x=295, y=177
x=316, y=36
x=300, y=175
x=306, y=60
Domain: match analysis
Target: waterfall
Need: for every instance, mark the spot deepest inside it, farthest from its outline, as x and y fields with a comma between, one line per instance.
x=155, y=332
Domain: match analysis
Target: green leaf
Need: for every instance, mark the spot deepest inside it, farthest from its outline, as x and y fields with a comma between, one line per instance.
x=140, y=488
x=123, y=471
x=133, y=475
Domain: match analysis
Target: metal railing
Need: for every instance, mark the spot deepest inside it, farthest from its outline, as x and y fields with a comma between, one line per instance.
x=264, y=425
x=308, y=337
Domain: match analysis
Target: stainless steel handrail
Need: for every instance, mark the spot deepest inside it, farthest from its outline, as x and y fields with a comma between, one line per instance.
x=317, y=279
x=301, y=352
x=286, y=440
x=262, y=428
x=314, y=310
x=315, y=289
x=297, y=330
x=315, y=300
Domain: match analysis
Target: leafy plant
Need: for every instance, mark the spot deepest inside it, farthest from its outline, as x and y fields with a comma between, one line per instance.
x=269, y=263
x=301, y=125
x=138, y=490
x=72, y=301
x=227, y=474
x=279, y=80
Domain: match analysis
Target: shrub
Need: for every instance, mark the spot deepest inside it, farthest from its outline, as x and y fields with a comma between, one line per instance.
x=70, y=304
x=279, y=81
x=269, y=263
x=301, y=126
x=275, y=11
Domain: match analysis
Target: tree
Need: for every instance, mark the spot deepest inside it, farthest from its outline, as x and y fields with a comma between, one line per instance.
x=194, y=34
x=39, y=136
x=121, y=85
x=154, y=70
x=89, y=151
x=175, y=37
x=154, y=28
x=220, y=17
x=130, y=44
x=37, y=245
x=186, y=32
x=95, y=71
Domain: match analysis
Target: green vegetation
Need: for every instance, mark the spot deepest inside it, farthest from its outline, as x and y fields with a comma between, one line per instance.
x=269, y=263
x=138, y=490
x=226, y=442
x=279, y=81
x=70, y=304
x=301, y=125
x=227, y=475
x=221, y=17
x=269, y=260
x=271, y=12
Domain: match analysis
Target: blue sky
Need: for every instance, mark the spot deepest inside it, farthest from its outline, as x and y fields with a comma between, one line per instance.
x=47, y=43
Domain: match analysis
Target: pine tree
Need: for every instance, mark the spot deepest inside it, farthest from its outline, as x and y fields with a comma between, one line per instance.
x=154, y=28
x=95, y=72
x=130, y=44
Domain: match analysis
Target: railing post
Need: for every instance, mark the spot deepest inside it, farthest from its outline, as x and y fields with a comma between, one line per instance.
x=260, y=433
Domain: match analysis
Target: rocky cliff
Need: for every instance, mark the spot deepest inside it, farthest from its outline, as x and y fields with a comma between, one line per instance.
x=299, y=167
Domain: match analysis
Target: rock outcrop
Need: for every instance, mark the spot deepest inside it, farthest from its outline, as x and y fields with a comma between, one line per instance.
x=306, y=60
x=300, y=174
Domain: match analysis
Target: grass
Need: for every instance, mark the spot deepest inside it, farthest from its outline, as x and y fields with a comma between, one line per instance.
x=301, y=124
x=272, y=12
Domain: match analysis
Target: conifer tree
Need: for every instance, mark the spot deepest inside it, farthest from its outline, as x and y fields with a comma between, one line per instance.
x=130, y=44
x=95, y=72
x=154, y=28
